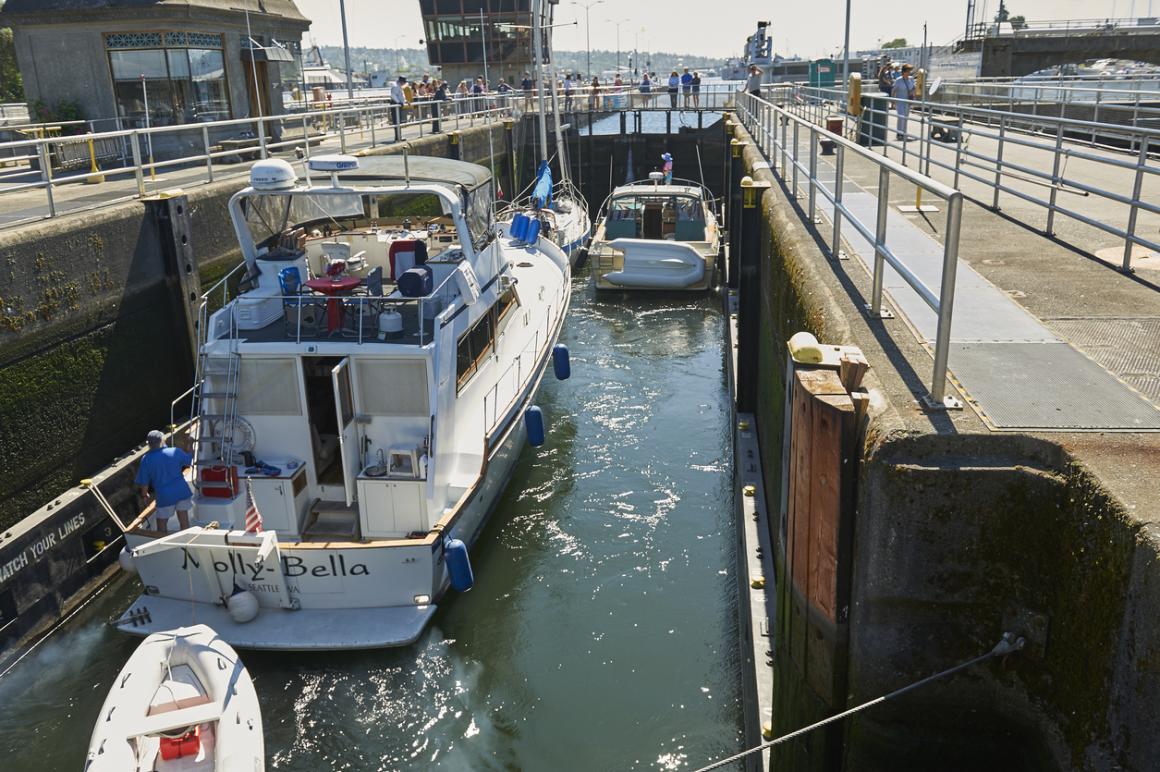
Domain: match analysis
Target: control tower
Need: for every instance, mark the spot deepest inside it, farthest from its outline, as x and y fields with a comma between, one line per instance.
x=457, y=31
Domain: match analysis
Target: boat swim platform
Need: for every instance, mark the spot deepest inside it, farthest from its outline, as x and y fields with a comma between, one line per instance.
x=1043, y=339
x=277, y=629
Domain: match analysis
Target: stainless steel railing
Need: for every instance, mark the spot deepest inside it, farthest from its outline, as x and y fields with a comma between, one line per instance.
x=1047, y=144
x=36, y=163
x=779, y=132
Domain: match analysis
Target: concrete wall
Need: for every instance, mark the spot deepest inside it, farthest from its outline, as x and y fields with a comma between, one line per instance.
x=960, y=535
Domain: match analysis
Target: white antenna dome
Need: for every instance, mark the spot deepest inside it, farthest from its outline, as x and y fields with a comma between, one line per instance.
x=272, y=174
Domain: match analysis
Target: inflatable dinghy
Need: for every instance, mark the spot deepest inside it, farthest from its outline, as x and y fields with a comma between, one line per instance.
x=183, y=701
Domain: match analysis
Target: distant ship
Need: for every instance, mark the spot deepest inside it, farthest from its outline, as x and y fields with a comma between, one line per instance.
x=758, y=50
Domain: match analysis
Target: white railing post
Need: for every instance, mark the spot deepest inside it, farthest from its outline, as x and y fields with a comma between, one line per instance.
x=836, y=243
x=946, y=303
x=880, y=241
x=46, y=175
x=138, y=172
x=1137, y=188
x=208, y=156
x=262, y=139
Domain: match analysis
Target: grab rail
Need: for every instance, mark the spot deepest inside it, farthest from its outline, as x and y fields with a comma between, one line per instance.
x=763, y=119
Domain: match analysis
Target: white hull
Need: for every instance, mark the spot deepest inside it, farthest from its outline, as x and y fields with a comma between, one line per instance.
x=178, y=682
x=333, y=588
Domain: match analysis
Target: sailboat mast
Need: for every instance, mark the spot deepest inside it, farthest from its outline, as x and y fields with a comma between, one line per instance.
x=537, y=54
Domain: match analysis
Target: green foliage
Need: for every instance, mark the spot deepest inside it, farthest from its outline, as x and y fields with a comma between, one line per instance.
x=11, y=86
x=896, y=43
x=62, y=111
x=1018, y=22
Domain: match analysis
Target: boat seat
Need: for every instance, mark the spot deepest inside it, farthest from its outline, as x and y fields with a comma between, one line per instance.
x=178, y=719
x=182, y=690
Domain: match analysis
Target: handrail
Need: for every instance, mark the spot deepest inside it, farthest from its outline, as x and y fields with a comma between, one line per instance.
x=1050, y=136
x=763, y=118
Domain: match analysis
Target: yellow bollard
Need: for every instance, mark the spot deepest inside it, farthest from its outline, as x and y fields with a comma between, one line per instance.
x=95, y=177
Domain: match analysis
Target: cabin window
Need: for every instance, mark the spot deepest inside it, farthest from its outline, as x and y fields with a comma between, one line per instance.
x=419, y=206
x=392, y=387
x=476, y=344
x=269, y=387
x=505, y=308
x=479, y=203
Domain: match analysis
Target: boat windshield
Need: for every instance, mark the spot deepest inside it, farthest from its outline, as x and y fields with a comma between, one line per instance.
x=669, y=216
x=269, y=215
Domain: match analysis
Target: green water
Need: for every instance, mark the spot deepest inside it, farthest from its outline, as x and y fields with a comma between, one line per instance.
x=601, y=633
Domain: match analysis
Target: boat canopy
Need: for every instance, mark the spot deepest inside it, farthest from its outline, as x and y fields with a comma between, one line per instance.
x=656, y=214
x=542, y=193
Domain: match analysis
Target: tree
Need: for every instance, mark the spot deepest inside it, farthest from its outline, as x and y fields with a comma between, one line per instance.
x=896, y=43
x=11, y=87
x=1018, y=22
x=1003, y=14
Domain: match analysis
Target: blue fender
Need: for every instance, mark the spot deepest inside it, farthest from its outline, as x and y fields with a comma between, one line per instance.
x=561, y=362
x=458, y=565
x=534, y=420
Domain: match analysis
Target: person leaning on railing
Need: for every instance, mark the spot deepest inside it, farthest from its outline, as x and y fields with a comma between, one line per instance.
x=398, y=99
x=594, y=95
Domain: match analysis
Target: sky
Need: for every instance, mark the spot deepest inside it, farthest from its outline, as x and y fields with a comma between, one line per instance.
x=808, y=28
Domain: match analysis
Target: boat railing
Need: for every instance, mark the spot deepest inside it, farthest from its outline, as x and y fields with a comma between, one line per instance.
x=706, y=194
x=313, y=316
x=502, y=395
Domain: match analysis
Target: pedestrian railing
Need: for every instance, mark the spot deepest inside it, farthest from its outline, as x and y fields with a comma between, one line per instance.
x=971, y=143
x=780, y=131
x=1130, y=101
x=198, y=150
x=194, y=153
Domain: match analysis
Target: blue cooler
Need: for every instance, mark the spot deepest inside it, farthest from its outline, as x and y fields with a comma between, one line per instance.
x=416, y=282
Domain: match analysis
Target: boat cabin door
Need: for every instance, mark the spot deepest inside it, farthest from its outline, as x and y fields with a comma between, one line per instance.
x=347, y=430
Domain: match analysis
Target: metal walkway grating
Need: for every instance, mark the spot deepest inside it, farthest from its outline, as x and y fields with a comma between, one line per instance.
x=1048, y=386
x=1128, y=347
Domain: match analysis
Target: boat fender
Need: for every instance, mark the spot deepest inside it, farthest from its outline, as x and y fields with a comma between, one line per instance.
x=128, y=563
x=458, y=565
x=243, y=606
x=534, y=420
x=519, y=226
x=561, y=362
x=533, y=234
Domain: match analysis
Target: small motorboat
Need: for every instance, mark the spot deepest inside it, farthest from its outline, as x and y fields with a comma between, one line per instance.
x=183, y=701
x=654, y=236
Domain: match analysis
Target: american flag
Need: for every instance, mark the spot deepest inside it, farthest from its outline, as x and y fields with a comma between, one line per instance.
x=253, y=516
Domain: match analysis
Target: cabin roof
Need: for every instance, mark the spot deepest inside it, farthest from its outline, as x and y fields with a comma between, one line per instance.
x=419, y=168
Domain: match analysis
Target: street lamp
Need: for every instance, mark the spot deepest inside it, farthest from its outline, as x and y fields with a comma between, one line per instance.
x=617, y=22
x=588, y=32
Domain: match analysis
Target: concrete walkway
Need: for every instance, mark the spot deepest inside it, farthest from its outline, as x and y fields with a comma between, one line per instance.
x=1019, y=372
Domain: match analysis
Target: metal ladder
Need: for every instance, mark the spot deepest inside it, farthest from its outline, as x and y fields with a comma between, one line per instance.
x=217, y=450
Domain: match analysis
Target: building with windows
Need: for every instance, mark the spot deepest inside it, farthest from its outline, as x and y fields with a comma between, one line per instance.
x=458, y=30
x=183, y=61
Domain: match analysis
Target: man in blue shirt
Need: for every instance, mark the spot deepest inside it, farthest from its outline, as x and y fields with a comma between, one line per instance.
x=163, y=470
x=686, y=86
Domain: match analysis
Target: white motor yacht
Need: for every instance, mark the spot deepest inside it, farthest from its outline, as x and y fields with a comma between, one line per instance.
x=368, y=392
x=654, y=236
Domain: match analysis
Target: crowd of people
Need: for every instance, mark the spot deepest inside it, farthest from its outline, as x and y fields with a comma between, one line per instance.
x=423, y=98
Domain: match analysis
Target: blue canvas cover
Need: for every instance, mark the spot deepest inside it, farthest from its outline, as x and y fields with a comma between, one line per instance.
x=542, y=193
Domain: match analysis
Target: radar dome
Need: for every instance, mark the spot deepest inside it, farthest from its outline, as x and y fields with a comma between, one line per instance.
x=272, y=174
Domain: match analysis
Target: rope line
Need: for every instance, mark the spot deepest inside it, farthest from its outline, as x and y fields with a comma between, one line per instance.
x=1008, y=644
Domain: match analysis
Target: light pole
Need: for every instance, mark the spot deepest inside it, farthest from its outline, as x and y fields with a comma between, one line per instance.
x=346, y=50
x=846, y=47
x=617, y=22
x=588, y=32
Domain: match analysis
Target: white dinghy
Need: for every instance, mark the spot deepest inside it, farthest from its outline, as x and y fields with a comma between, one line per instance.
x=183, y=701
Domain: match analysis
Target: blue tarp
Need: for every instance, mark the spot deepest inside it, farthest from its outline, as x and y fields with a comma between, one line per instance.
x=542, y=193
